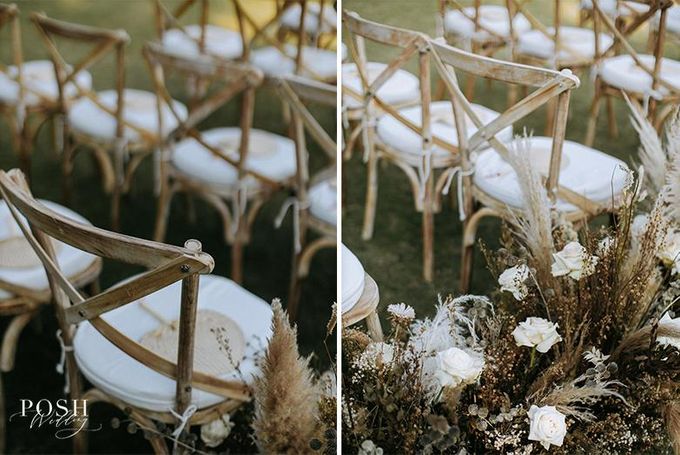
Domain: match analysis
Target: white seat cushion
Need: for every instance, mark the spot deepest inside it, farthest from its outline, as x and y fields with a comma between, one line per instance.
x=219, y=41
x=39, y=82
x=580, y=40
x=622, y=72
x=318, y=63
x=323, y=201
x=626, y=8
x=584, y=170
x=72, y=261
x=401, y=88
x=398, y=136
x=291, y=18
x=269, y=154
x=139, y=109
x=672, y=19
x=491, y=17
x=123, y=377
x=352, y=279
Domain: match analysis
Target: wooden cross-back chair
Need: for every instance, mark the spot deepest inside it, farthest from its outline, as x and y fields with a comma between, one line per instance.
x=119, y=125
x=649, y=80
x=202, y=163
x=319, y=24
x=76, y=312
x=314, y=205
x=490, y=185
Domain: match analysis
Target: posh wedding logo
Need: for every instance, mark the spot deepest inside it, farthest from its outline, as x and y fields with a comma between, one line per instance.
x=67, y=417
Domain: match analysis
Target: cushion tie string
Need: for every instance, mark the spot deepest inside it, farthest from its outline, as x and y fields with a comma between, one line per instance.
x=61, y=366
x=294, y=204
x=424, y=170
x=458, y=170
x=183, y=420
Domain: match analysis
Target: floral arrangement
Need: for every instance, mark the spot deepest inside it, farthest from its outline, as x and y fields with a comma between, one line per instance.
x=577, y=351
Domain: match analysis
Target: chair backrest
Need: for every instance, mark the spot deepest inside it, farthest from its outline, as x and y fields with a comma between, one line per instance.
x=549, y=85
x=103, y=42
x=299, y=93
x=167, y=264
x=9, y=14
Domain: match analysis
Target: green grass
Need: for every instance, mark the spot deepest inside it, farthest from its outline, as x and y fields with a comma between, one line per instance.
x=267, y=258
x=394, y=256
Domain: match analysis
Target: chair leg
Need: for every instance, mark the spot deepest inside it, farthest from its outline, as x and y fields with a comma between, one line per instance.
x=371, y=195
x=611, y=118
x=550, y=107
x=295, y=288
x=25, y=149
x=115, y=207
x=592, y=119
x=10, y=340
x=374, y=328
x=162, y=213
x=428, y=235
x=3, y=422
x=467, y=254
x=67, y=172
x=237, y=254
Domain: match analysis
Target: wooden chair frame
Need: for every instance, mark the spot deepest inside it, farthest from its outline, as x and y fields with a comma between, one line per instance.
x=167, y=264
x=234, y=79
x=297, y=92
x=316, y=40
x=366, y=309
x=608, y=92
x=112, y=156
x=548, y=85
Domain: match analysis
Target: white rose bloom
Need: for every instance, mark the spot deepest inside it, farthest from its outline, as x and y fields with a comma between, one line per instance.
x=670, y=252
x=573, y=261
x=536, y=332
x=214, y=433
x=401, y=310
x=513, y=280
x=547, y=426
x=456, y=367
x=368, y=447
x=666, y=320
x=377, y=353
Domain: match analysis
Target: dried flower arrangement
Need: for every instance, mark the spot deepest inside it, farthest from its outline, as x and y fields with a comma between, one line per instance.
x=577, y=351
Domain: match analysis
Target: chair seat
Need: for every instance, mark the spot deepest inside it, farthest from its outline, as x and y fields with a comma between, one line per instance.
x=352, y=279
x=219, y=41
x=625, y=8
x=72, y=261
x=318, y=63
x=491, y=17
x=290, y=19
x=581, y=40
x=399, y=137
x=269, y=154
x=123, y=377
x=40, y=83
x=323, y=201
x=584, y=170
x=402, y=88
x=672, y=20
x=622, y=72
x=139, y=109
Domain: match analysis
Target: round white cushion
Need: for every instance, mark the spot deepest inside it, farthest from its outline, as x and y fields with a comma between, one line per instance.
x=401, y=88
x=622, y=72
x=219, y=41
x=72, y=261
x=39, y=82
x=323, y=201
x=123, y=377
x=318, y=63
x=491, y=17
x=291, y=18
x=269, y=154
x=398, y=136
x=672, y=19
x=139, y=109
x=352, y=279
x=610, y=7
x=584, y=170
x=580, y=40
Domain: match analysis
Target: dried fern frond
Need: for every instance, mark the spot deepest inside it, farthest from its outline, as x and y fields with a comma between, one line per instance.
x=285, y=394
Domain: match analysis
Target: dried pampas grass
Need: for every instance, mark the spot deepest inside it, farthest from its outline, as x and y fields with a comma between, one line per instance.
x=672, y=416
x=286, y=396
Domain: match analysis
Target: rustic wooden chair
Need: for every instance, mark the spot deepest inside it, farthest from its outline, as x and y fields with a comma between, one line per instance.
x=24, y=286
x=651, y=80
x=624, y=11
x=142, y=354
x=119, y=126
x=359, y=295
x=28, y=90
x=581, y=182
x=314, y=205
x=319, y=24
x=234, y=169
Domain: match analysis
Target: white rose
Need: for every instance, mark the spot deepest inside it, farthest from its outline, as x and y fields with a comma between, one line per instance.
x=383, y=352
x=456, y=367
x=547, y=426
x=538, y=333
x=214, y=433
x=673, y=324
x=573, y=261
x=513, y=280
x=670, y=252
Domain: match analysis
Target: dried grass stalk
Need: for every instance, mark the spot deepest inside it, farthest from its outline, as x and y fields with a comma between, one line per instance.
x=672, y=416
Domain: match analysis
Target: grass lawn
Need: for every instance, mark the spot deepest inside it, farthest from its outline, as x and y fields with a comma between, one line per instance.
x=394, y=256
x=267, y=258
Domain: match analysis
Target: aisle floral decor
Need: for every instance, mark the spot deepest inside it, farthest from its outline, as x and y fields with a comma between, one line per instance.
x=576, y=352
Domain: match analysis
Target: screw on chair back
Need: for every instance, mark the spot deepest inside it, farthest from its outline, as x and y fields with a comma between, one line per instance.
x=548, y=84
x=167, y=264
